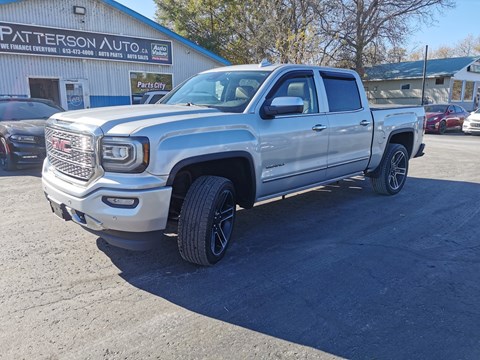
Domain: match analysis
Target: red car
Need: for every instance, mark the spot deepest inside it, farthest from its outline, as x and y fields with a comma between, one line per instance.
x=443, y=117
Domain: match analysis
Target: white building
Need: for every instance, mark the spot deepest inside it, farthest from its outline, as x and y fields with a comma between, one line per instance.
x=90, y=53
x=454, y=80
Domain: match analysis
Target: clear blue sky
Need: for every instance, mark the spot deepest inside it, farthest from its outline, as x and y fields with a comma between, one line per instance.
x=449, y=28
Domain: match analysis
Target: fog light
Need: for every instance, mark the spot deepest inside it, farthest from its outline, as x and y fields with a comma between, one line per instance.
x=120, y=202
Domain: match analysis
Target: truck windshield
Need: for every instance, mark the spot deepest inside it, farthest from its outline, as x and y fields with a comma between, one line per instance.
x=229, y=91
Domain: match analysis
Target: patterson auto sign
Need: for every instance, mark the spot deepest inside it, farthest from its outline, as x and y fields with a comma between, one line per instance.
x=47, y=41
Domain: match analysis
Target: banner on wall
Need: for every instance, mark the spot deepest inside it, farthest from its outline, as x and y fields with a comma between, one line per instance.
x=141, y=82
x=48, y=41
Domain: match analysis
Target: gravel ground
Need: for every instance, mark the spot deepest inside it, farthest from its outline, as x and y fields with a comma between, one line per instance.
x=337, y=272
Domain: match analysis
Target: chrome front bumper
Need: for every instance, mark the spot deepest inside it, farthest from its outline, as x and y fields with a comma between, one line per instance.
x=89, y=209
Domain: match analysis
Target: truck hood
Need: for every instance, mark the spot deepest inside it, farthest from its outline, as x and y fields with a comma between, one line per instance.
x=124, y=120
x=24, y=127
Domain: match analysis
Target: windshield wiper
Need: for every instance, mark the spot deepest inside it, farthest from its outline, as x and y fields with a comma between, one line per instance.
x=192, y=104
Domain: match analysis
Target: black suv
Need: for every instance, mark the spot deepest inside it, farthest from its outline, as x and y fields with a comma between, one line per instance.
x=22, y=133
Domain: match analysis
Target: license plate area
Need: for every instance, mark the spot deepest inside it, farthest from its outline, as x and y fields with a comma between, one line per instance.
x=60, y=210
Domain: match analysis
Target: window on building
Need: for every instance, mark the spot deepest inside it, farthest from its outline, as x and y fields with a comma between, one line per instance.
x=468, y=94
x=439, y=81
x=342, y=91
x=457, y=90
x=405, y=87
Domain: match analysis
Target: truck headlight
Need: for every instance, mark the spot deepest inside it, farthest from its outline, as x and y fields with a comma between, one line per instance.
x=125, y=154
x=23, y=138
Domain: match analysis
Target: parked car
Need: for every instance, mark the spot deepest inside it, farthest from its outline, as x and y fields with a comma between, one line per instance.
x=22, y=126
x=471, y=125
x=443, y=117
x=151, y=97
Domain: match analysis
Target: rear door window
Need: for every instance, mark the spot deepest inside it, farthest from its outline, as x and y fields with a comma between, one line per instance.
x=342, y=91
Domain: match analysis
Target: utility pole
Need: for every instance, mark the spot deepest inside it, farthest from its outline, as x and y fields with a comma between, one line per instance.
x=424, y=75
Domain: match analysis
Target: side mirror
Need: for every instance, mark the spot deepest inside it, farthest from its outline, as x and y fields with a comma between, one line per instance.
x=281, y=106
x=450, y=111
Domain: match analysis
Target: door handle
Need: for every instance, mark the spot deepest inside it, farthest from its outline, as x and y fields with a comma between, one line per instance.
x=364, y=122
x=319, y=127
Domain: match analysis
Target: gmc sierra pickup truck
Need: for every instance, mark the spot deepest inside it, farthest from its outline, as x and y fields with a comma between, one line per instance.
x=225, y=137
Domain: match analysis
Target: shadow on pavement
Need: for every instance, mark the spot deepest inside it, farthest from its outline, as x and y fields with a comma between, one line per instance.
x=30, y=171
x=340, y=269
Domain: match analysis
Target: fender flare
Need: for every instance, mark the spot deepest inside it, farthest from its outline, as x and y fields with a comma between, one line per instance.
x=217, y=156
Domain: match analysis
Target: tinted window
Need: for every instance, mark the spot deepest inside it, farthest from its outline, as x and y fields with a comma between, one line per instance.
x=26, y=110
x=156, y=98
x=144, y=99
x=436, y=108
x=342, y=92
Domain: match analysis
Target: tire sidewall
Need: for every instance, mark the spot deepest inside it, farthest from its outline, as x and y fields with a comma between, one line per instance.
x=6, y=163
x=197, y=218
x=442, y=127
x=394, y=150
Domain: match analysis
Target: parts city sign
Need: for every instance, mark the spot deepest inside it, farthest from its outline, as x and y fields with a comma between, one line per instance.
x=40, y=40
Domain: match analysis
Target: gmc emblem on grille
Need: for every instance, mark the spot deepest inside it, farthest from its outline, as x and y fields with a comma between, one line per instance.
x=62, y=145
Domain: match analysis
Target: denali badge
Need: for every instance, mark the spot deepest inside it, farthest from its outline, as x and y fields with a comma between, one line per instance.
x=62, y=145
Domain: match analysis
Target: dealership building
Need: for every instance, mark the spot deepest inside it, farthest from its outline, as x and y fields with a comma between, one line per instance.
x=91, y=53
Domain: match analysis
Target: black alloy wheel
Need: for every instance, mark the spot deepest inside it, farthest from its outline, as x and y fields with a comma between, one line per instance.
x=206, y=220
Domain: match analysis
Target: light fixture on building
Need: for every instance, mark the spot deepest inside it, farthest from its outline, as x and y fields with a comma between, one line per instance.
x=79, y=10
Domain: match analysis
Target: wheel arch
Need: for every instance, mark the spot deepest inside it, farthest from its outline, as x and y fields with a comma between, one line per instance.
x=237, y=166
x=403, y=137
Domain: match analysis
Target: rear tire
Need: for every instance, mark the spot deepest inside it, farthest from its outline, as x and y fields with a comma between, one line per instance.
x=206, y=220
x=442, y=127
x=6, y=159
x=393, y=171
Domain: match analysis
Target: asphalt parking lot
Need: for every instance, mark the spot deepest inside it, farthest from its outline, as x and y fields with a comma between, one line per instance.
x=337, y=272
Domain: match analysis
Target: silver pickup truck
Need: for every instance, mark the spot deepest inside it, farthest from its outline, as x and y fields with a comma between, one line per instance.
x=226, y=137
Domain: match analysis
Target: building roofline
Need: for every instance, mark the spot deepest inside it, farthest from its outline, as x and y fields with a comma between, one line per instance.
x=156, y=26
x=418, y=64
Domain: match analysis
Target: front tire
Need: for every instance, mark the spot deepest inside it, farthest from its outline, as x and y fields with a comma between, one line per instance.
x=393, y=171
x=6, y=159
x=206, y=220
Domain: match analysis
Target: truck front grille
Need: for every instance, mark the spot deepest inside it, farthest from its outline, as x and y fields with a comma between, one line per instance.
x=71, y=153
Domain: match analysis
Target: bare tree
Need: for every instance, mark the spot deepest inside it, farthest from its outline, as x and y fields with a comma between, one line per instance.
x=469, y=46
x=361, y=25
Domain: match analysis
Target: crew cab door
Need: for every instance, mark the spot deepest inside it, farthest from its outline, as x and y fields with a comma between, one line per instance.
x=350, y=124
x=293, y=147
